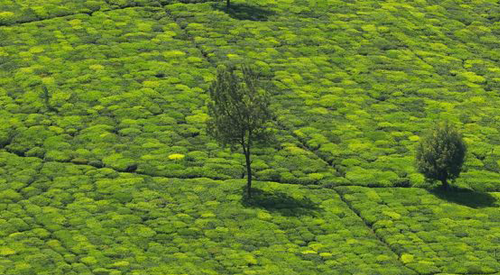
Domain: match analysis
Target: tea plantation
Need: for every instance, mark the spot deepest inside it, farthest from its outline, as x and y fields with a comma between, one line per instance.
x=111, y=170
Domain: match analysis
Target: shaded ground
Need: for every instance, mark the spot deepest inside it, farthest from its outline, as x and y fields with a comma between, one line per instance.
x=242, y=11
x=277, y=201
x=465, y=197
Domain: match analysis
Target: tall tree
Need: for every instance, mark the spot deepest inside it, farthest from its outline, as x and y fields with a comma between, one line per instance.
x=441, y=154
x=239, y=112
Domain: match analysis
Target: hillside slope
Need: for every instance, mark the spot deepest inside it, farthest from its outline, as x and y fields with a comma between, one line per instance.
x=356, y=83
x=61, y=218
x=113, y=173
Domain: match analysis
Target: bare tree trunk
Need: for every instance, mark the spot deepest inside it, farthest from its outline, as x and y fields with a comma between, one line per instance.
x=249, y=172
x=445, y=184
x=228, y=4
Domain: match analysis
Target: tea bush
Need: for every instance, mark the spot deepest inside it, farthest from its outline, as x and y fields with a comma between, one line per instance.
x=137, y=96
x=365, y=88
x=433, y=232
x=354, y=83
x=90, y=220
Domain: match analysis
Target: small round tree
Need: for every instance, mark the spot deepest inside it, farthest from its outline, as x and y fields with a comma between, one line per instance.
x=441, y=154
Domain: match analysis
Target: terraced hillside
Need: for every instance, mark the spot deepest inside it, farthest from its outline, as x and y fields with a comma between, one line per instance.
x=116, y=175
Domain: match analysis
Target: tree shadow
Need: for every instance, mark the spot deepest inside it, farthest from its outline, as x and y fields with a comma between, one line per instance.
x=280, y=202
x=465, y=197
x=242, y=11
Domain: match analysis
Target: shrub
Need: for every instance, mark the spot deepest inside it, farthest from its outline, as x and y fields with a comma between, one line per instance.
x=120, y=163
x=6, y=17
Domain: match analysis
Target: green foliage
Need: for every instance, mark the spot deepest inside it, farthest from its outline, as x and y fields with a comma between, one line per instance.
x=441, y=154
x=440, y=231
x=239, y=112
x=354, y=84
x=364, y=88
x=239, y=109
x=94, y=220
x=146, y=105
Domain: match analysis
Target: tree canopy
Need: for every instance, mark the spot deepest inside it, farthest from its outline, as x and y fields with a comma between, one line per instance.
x=239, y=112
x=441, y=153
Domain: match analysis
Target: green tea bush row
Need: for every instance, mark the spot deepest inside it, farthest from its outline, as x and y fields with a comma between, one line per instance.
x=359, y=83
x=22, y=11
x=76, y=219
x=14, y=11
x=457, y=233
x=128, y=87
x=150, y=87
